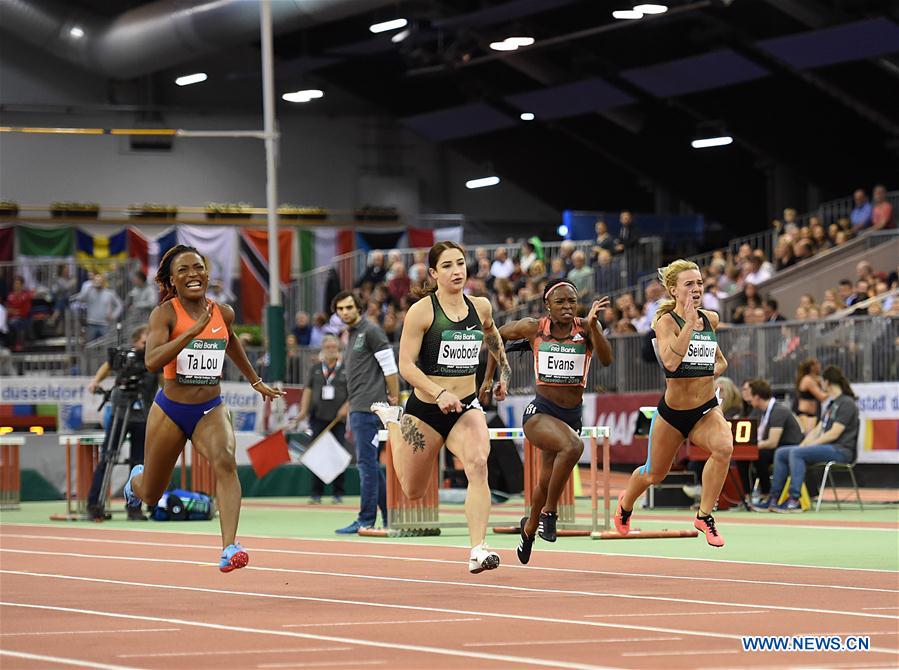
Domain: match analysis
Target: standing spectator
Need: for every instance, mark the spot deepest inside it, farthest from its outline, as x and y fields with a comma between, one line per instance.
x=142, y=298
x=603, y=239
x=400, y=284
x=502, y=266
x=325, y=398
x=777, y=426
x=301, y=330
x=627, y=244
x=580, y=275
x=63, y=288
x=317, y=333
x=102, y=306
x=566, y=251
x=605, y=274
x=882, y=212
x=374, y=379
x=833, y=439
x=860, y=216
x=216, y=291
x=557, y=269
x=18, y=313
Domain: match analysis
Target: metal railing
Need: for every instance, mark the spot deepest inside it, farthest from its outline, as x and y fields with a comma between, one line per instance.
x=832, y=210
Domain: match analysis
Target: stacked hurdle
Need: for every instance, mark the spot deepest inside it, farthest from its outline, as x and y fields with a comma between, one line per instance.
x=82, y=457
x=10, y=477
x=407, y=517
x=202, y=474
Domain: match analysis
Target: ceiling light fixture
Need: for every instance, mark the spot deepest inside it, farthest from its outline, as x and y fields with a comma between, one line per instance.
x=503, y=46
x=651, y=9
x=303, y=96
x=400, y=36
x=189, y=79
x=627, y=14
x=527, y=116
x=482, y=182
x=706, y=142
x=77, y=32
x=395, y=24
x=520, y=41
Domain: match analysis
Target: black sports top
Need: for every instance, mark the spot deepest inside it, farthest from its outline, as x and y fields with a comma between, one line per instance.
x=451, y=348
x=699, y=360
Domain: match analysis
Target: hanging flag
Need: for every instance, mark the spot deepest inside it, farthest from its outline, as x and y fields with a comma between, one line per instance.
x=96, y=253
x=218, y=244
x=148, y=251
x=7, y=243
x=254, y=274
x=38, y=247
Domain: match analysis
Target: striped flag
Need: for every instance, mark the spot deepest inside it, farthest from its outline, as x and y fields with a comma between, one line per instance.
x=94, y=253
x=148, y=250
x=254, y=274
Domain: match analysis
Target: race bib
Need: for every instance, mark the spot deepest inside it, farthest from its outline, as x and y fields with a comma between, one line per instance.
x=201, y=362
x=561, y=363
x=459, y=352
x=701, y=352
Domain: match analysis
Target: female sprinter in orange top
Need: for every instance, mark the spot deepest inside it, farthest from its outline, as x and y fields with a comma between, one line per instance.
x=562, y=345
x=439, y=353
x=189, y=338
x=689, y=352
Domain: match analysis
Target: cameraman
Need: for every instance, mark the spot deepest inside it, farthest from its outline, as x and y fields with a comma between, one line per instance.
x=133, y=381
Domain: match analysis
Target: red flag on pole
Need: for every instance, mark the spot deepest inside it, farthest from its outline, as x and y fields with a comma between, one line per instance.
x=269, y=454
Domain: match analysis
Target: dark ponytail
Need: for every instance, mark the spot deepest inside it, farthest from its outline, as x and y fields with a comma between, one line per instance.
x=164, y=273
x=833, y=375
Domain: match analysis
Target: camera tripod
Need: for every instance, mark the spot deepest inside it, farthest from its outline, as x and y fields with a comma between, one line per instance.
x=123, y=399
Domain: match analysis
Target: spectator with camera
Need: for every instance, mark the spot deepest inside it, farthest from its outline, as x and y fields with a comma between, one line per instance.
x=134, y=387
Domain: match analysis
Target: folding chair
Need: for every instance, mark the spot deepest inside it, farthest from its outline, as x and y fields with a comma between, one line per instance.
x=829, y=468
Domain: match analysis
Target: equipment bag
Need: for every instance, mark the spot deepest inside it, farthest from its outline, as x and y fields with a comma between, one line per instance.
x=181, y=505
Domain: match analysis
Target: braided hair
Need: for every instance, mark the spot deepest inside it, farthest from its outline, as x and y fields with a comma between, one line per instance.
x=164, y=273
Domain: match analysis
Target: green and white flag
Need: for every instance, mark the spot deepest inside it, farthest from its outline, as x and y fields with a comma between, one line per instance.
x=41, y=251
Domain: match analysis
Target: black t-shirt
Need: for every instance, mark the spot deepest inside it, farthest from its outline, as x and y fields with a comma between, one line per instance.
x=325, y=405
x=782, y=417
x=843, y=410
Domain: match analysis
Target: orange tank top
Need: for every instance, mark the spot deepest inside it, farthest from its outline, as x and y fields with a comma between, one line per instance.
x=202, y=360
x=564, y=362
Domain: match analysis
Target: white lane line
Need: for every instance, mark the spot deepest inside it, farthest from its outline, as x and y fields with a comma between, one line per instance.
x=77, y=662
x=469, y=585
x=320, y=664
x=682, y=652
x=648, y=614
x=373, y=623
x=384, y=557
x=307, y=650
x=393, y=646
x=418, y=543
x=94, y=632
x=797, y=666
x=880, y=608
x=357, y=603
x=599, y=640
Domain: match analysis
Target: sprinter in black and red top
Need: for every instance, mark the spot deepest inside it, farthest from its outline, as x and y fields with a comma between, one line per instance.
x=562, y=345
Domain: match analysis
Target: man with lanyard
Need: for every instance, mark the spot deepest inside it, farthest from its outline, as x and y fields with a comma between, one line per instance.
x=324, y=400
x=374, y=378
x=777, y=426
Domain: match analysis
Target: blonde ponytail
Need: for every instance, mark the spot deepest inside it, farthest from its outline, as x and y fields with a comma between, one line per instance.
x=668, y=276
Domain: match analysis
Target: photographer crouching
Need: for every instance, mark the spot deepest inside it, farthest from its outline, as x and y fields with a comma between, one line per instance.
x=129, y=400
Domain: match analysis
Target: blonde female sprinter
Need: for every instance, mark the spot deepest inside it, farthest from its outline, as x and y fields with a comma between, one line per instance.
x=439, y=352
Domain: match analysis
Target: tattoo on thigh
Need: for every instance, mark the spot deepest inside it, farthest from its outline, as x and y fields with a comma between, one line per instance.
x=412, y=434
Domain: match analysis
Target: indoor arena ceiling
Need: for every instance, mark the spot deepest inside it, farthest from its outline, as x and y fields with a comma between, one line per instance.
x=809, y=87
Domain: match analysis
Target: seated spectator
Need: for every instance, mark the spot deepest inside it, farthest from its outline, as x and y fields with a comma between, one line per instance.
x=400, y=284
x=566, y=251
x=882, y=211
x=783, y=254
x=860, y=216
x=606, y=273
x=18, y=313
x=771, y=313
x=603, y=239
x=820, y=239
x=862, y=287
x=505, y=295
x=418, y=272
x=749, y=300
x=302, y=330
x=802, y=249
x=528, y=256
x=502, y=266
x=844, y=292
x=777, y=426
x=317, y=332
x=375, y=271
x=216, y=291
x=801, y=313
x=757, y=272
x=834, y=438
x=557, y=269
x=581, y=275
x=710, y=299
x=806, y=300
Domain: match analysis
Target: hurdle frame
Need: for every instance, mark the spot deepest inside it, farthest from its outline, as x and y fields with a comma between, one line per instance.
x=10, y=474
x=86, y=456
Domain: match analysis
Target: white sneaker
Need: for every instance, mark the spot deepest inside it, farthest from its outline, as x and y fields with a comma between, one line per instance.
x=481, y=559
x=693, y=491
x=387, y=413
